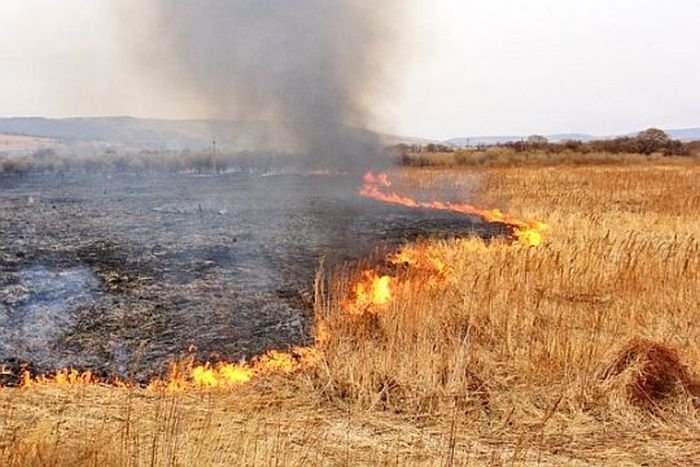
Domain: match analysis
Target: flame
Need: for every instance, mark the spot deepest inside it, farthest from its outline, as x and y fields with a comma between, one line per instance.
x=429, y=266
x=424, y=258
x=187, y=376
x=63, y=378
x=524, y=233
x=226, y=376
x=381, y=179
x=371, y=294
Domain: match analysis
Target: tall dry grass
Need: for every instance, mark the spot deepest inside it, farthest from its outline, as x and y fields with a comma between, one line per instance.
x=502, y=156
x=584, y=350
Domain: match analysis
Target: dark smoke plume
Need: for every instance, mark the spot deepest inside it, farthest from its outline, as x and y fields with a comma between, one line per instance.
x=314, y=68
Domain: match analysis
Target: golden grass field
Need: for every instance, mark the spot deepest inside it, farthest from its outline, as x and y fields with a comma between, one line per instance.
x=584, y=350
x=499, y=156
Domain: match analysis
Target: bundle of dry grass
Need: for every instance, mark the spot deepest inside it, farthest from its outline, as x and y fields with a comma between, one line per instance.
x=649, y=373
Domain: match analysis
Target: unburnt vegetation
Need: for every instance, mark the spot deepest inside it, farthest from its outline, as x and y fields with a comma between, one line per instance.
x=580, y=351
x=648, y=146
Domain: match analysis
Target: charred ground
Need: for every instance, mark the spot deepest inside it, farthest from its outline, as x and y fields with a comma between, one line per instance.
x=122, y=274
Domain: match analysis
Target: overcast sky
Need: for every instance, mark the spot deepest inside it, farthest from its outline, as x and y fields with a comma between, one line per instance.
x=467, y=67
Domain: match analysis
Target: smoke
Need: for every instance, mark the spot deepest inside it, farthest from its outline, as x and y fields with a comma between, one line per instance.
x=38, y=309
x=315, y=70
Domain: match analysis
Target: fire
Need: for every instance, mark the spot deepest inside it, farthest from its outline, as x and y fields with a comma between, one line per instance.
x=188, y=376
x=525, y=233
x=371, y=294
x=428, y=264
x=423, y=258
x=63, y=378
x=381, y=179
x=226, y=376
x=207, y=376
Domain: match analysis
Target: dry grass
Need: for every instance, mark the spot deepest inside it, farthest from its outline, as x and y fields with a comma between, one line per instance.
x=582, y=351
x=499, y=156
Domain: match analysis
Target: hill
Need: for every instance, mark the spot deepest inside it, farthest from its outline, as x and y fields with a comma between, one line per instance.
x=96, y=135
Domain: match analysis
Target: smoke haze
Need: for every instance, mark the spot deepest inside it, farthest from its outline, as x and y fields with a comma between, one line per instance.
x=314, y=68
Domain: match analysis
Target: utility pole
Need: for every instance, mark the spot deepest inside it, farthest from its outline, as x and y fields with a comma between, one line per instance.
x=213, y=156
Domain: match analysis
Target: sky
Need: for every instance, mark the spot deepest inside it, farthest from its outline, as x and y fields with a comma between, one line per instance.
x=462, y=67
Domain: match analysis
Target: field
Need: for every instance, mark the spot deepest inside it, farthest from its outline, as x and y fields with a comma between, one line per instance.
x=582, y=350
x=499, y=156
x=23, y=144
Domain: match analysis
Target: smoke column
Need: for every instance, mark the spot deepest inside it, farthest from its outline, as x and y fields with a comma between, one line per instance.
x=317, y=68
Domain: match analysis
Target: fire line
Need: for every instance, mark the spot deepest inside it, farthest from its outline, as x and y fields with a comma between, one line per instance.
x=372, y=294
x=525, y=233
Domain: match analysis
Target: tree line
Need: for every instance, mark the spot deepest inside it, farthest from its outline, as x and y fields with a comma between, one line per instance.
x=647, y=142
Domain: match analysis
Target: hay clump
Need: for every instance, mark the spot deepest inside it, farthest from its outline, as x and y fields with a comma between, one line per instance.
x=648, y=373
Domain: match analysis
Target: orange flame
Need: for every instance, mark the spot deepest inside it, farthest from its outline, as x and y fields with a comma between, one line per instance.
x=185, y=377
x=525, y=233
x=63, y=378
x=370, y=295
x=423, y=258
x=427, y=262
x=224, y=376
x=381, y=179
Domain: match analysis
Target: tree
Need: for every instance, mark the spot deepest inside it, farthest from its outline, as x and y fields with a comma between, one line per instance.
x=652, y=140
x=537, y=140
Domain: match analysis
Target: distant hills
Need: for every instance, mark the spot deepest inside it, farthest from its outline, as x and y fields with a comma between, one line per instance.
x=103, y=134
x=133, y=134
x=99, y=134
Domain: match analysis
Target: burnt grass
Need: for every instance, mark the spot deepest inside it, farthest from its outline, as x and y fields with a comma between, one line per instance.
x=122, y=274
